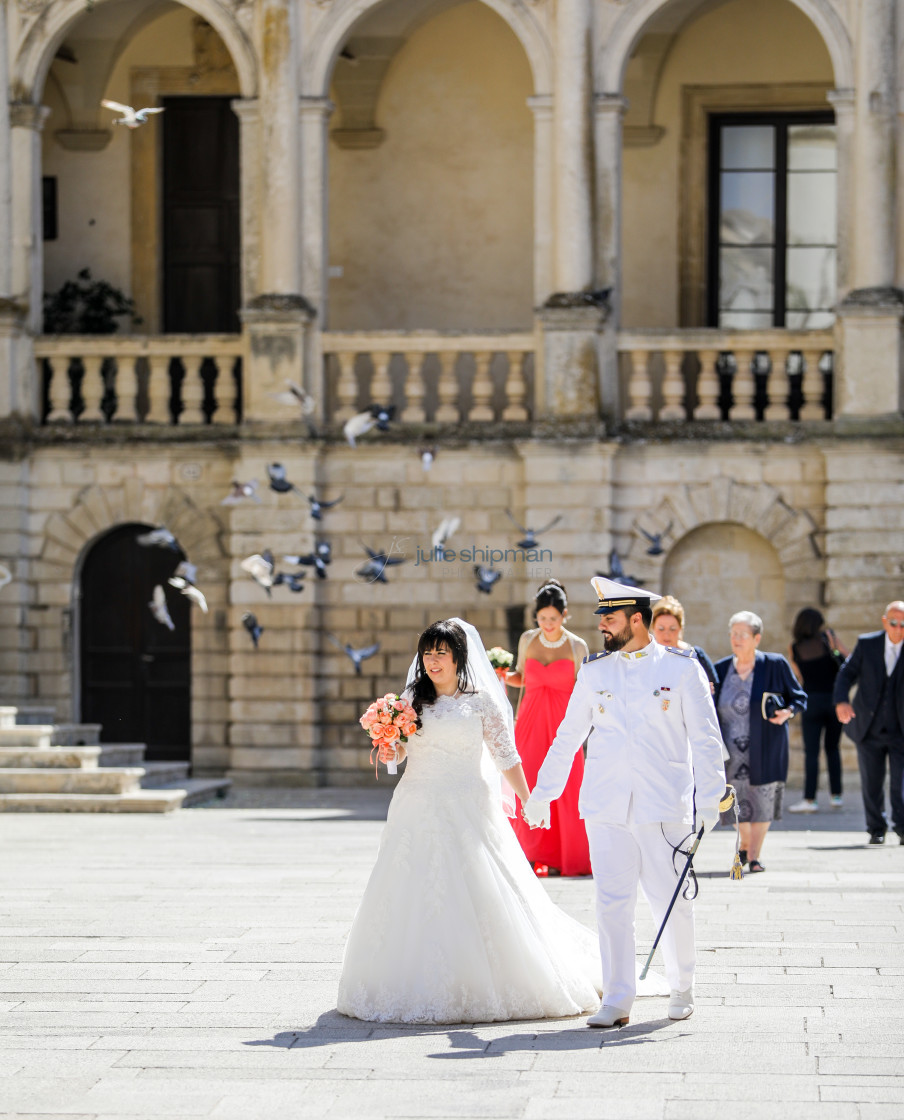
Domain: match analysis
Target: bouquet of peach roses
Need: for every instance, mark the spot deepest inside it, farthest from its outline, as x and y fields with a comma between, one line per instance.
x=389, y=721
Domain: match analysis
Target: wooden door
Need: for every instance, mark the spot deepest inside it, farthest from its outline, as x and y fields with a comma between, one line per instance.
x=135, y=673
x=201, y=235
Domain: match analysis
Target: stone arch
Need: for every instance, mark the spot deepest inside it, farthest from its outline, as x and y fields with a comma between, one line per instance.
x=101, y=508
x=48, y=31
x=614, y=53
x=320, y=56
x=68, y=538
x=758, y=506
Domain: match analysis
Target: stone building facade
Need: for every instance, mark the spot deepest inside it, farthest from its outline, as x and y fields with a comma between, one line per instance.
x=636, y=264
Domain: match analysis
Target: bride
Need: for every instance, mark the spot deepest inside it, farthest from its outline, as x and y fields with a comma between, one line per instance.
x=454, y=926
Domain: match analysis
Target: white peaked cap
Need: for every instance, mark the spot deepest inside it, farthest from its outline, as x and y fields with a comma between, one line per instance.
x=613, y=595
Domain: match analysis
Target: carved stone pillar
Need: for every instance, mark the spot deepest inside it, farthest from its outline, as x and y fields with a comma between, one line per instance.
x=868, y=352
x=544, y=210
x=567, y=385
x=275, y=329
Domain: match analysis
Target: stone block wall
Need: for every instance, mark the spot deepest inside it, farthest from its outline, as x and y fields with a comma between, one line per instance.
x=770, y=527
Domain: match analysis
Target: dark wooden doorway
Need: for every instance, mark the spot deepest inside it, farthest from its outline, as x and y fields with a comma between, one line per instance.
x=135, y=673
x=201, y=233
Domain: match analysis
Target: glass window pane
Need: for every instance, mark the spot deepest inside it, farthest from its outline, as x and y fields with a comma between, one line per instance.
x=748, y=146
x=809, y=320
x=812, y=147
x=811, y=208
x=745, y=320
x=748, y=208
x=810, y=279
x=745, y=279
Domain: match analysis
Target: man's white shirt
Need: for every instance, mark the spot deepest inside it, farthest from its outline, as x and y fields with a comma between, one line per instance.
x=653, y=733
x=892, y=653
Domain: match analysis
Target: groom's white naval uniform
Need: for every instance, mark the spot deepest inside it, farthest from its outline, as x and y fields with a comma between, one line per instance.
x=654, y=737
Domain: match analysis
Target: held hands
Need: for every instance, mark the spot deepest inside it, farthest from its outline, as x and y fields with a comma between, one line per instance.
x=536, y=813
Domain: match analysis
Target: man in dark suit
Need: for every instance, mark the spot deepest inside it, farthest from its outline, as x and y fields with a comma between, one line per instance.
x=875, y=720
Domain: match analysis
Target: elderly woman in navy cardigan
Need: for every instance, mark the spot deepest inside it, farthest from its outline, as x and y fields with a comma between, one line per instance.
x=756, y=694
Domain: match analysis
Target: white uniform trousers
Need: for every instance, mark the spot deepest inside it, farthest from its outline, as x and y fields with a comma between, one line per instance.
x=623, y=856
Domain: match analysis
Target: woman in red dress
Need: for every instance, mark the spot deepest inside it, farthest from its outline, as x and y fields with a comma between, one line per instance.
x=545, y=670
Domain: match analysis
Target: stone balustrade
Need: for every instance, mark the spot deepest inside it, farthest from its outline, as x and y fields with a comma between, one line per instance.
x=156, y=379
x=672, y=376
x=430, y=376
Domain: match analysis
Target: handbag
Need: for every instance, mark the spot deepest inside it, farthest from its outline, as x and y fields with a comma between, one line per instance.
x=771, y=703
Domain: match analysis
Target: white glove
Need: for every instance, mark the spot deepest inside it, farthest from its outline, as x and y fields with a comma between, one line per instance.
x=708, y=818
x=537, y=813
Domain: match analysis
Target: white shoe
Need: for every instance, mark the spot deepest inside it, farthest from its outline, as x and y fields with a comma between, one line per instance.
x=681, y=1004
x=804, y=806
x=837, y=801
x=608, y=1016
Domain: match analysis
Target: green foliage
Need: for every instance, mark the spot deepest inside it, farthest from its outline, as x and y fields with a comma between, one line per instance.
x=86, y=306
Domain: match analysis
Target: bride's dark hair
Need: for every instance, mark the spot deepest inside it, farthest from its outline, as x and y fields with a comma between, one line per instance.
x=439, y=635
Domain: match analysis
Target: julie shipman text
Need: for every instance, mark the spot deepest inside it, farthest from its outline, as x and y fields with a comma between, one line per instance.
x=475, y=555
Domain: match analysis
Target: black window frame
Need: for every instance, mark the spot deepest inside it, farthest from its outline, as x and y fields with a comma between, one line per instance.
x=781, y=121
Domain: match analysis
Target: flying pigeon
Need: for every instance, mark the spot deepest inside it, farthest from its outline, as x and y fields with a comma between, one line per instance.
x=295, y=395
x=192, y=593
x=428, y=455
x=317, y=507
x=655, y=540
x=187, y=571
x=616, y=571
x=6, y=576
x=446, y=528
x=131, y=118
x=374, y=569
x=486, y=578
x=278, y=480
x=160, y=537
x=294, y=581
x=260, y=567
x=375, y=417
x=252, y=626
x=531, y=535
x=159, y=609
x=318, y=559
x=240, y=492
x=356, y=656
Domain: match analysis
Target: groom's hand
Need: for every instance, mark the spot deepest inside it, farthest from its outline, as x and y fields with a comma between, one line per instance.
x=537, y=813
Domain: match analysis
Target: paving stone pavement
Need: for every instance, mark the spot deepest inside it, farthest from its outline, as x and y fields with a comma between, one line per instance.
x=159, y=968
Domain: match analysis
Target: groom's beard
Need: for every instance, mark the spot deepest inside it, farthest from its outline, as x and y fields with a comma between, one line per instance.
x=618, y=640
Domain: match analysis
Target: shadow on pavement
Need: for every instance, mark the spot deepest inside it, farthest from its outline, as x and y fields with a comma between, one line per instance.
x=466, y=1043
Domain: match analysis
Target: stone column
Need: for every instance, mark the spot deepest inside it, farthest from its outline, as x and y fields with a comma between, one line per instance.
x=567, y=383
x=314, y=116
x=869, y=324
x=573, y=156
x=21, y=311
x=544, y=213
x=875, y=122
x=6, y=221
x=609, y=110
x=279, y=151
x=253, y=196
x=843, y=101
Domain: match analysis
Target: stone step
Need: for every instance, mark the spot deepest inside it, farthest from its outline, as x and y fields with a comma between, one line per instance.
x=75, y=735
x=141, y=801
x=11, y=715
x=160, y=774
x=198, y=790
x=25, y=735
x=122, y=754
x=45, y=780
x=63, y=758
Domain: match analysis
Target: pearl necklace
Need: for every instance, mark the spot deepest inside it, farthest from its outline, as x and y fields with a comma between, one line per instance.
x=544, y=641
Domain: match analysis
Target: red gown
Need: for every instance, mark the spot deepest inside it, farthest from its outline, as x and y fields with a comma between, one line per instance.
x=547, y=690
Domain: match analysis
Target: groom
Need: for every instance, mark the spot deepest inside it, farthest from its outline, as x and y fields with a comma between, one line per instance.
x=654, y=737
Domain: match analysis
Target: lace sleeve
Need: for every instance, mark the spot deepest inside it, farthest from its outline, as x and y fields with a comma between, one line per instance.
x=496, y=733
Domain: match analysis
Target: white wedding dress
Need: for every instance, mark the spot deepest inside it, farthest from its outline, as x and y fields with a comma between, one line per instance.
x=454, y=926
